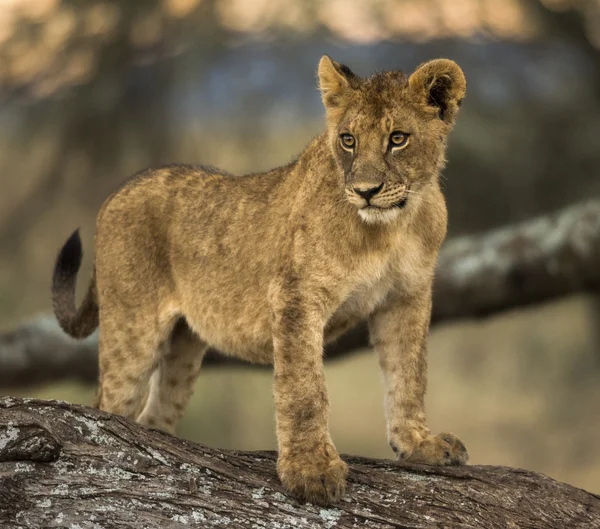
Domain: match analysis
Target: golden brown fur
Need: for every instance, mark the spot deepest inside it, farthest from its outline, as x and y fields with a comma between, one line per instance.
x=268, y=267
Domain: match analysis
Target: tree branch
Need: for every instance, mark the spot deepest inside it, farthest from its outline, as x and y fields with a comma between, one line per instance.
x=71, y=466
x=538, y=260
x=478, y=275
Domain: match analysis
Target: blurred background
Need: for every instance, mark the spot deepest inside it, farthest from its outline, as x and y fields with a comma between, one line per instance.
x=92, y=91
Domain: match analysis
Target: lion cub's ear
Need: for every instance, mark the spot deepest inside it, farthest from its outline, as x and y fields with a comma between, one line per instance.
x=335, y=81
x=439, y=84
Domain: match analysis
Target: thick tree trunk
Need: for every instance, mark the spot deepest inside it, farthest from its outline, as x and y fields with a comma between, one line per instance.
x=477, y=275
x=71, y=466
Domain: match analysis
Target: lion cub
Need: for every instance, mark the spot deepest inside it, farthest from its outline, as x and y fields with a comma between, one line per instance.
x=268, y=267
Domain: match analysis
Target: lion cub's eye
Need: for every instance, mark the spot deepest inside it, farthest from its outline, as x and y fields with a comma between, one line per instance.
x=347, y=141
x=398, y=139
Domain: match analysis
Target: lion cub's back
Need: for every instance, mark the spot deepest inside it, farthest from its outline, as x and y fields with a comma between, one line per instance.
x=198, y=241
x=226, y=248
x=133, y=224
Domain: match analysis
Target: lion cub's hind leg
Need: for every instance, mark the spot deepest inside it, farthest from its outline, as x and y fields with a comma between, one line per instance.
x=172, y=383
x=129, y=352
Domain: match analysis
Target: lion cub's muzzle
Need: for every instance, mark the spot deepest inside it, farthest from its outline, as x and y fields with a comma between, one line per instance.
x=377, y=196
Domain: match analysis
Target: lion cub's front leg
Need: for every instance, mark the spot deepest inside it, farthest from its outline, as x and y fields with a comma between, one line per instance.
x=308, y=463
x=399, y=332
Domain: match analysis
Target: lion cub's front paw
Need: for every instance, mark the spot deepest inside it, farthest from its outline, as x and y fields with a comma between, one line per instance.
x=317, y=477
x=441, y=449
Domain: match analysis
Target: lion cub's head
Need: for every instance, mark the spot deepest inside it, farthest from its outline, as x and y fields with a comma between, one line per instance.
x=388, y=132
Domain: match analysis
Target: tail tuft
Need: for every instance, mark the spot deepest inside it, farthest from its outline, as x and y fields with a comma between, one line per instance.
x=81, y=322
x=68, y=262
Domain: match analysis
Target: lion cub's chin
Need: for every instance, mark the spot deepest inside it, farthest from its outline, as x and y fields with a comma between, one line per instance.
x=373, y=215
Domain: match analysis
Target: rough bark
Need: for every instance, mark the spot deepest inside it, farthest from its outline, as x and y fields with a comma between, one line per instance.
x=70, y=466
x=535, y=261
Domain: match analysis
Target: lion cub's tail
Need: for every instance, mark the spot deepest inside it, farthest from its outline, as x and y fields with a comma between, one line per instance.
x=81, y=322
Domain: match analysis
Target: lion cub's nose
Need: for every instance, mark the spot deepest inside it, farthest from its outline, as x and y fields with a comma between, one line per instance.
x=367, y=191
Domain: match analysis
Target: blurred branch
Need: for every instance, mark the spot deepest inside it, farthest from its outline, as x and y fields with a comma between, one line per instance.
x=71, y=466
x=531, y=262
x=538, y=260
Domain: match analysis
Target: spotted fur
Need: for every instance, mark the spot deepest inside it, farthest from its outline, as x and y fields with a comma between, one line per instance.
x=268, y=267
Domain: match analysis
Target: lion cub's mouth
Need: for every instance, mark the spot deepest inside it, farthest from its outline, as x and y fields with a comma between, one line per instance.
x=383, y=206
x=401, y=203
x=380, y=214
